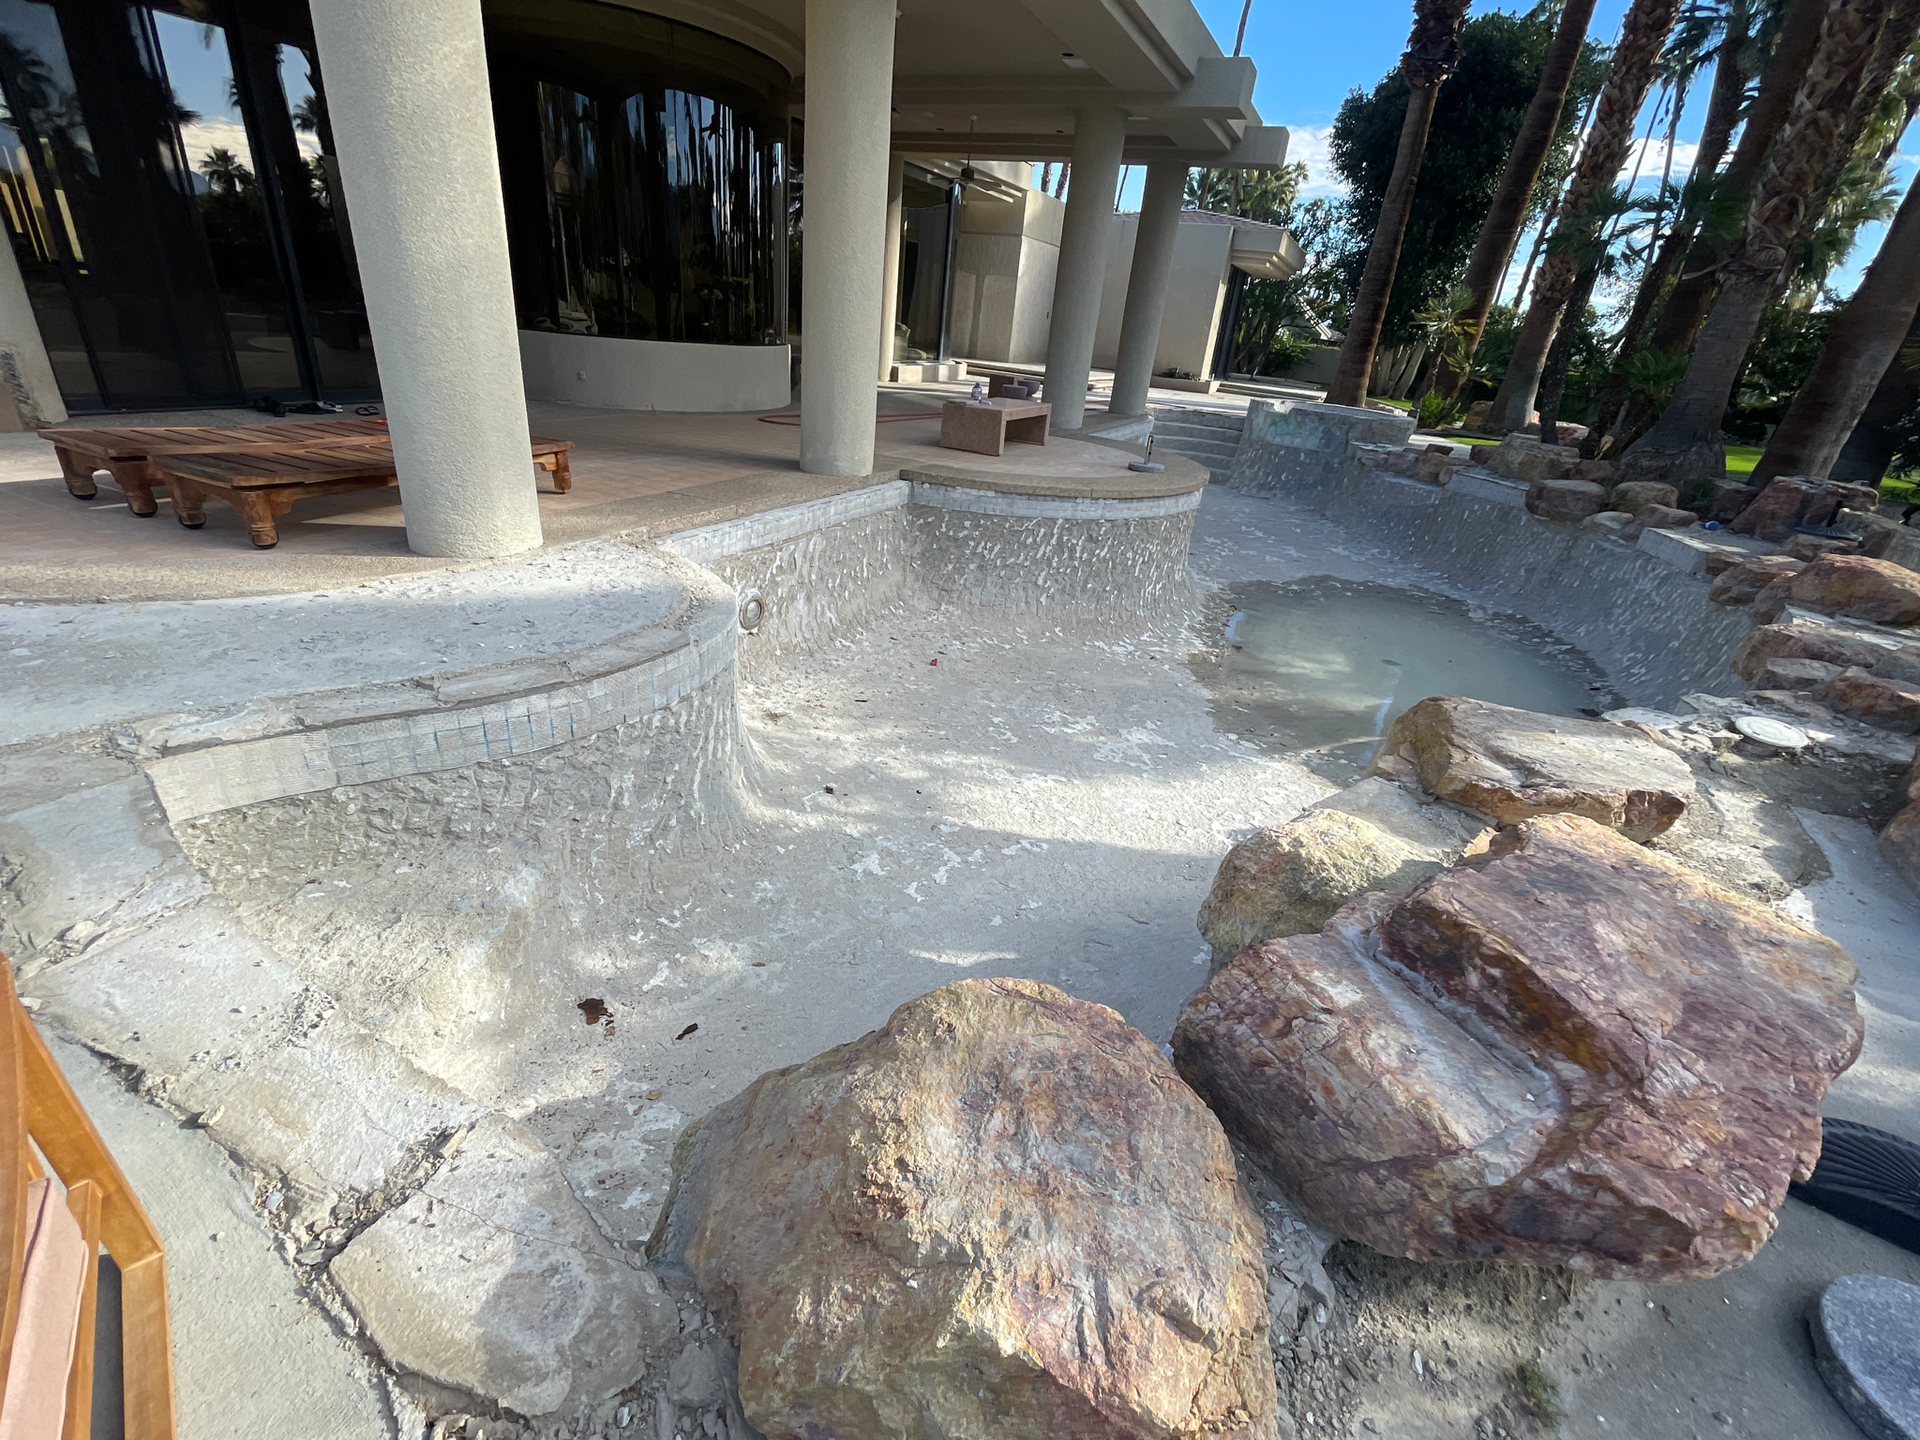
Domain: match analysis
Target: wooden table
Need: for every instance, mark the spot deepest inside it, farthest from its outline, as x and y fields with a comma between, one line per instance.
x=263, y=484
x=127, y=454
x=986, y=427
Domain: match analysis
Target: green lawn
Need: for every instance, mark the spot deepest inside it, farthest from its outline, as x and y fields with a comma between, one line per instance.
x=1742, y=458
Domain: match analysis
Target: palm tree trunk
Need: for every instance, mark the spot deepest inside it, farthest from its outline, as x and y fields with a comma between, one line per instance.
x=1642, y=35
x=1685, y=446
x=1861, y=345
x=1553, y=379
x=1433, y=49
x=1692, y=296
x=1869, y=450
x=1500, y=231
x=1716, y=133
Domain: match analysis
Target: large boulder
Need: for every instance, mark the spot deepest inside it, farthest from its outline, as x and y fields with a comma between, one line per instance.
x=1288, y=880
x=1900, y=840
x=1573, y=1050
x=1740, y=584
x=1657, y=517
x=1000, y=1215
x=1636, y=495
x=1796, y=500
x=1567, y=500
x=1826, y=643
x=1786, y=672
x=1523, y=457
x=1857, y=585
x=1890, y=704
x=1509, y=764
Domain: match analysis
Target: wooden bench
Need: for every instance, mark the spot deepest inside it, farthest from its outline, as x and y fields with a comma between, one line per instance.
x=263, y=484
x=127, y=454
x=986, y=427
x=46, y=1338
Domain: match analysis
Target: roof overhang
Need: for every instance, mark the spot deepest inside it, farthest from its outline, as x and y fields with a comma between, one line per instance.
x=1266, y=253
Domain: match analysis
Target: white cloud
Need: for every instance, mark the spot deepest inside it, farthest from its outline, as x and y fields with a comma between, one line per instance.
x=1310, y=143
x=1652, y=156
x=219, y=133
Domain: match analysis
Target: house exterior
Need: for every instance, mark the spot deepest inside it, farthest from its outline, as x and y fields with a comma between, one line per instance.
x=455, y=204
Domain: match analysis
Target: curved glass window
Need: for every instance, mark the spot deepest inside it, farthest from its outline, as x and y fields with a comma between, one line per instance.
x=644, y=166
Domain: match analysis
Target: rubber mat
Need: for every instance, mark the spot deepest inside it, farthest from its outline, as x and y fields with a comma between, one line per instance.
x=1867, y=1178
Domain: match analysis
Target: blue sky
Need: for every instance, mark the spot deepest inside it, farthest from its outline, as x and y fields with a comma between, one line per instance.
x=1311, y=55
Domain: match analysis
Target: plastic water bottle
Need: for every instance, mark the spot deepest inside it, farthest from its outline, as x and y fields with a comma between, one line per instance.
x=979, y=392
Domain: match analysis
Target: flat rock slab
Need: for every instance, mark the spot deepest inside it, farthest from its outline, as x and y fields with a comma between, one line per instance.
x=1001, y=1215
x=1866, y=1345
x=1573, y=1050
x=1510, y=764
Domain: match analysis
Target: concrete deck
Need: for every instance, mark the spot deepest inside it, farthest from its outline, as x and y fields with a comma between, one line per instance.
x=650, y=473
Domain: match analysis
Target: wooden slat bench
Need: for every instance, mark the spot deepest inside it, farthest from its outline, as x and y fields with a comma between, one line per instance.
x=263, y=484
x=41, y=1118
x=127, y=454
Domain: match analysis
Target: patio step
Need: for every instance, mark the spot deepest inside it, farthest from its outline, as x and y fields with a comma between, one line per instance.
x=1210, y=437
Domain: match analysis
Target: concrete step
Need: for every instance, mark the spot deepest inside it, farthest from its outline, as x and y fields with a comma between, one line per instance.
x=1214, y=434
x=1195, y=444
x=1200, y=419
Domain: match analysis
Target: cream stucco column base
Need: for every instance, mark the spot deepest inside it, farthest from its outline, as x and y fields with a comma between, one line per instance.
x=1098, y=137
x=407, y=93
x=849, y=121
x=1153, y=244
x=890, y=268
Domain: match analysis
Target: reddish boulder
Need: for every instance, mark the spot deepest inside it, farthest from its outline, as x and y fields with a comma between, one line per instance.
x=1745, y=580
x=1812, y=547
x=1000, y=1214
x=1573, y=1050
x=1864, y=588
x=1804, y=642
x=1771, y=602
x=1566, y=500
x=1777, y=510
x=1509, y=764
x=1891, y=704
x=1900, y=841
x=1729, y=499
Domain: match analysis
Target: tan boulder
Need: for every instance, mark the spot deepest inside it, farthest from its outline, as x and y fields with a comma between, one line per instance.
x=1509, y=764
x=1741, y=583
x=1636, y=495
x=1867, y=589
x=1658, y=517
x=1804, y=642
x=1598, y=471
x=1523, y=457
x=1567, y=500
x=999, y=1215
x=1607, y=522
x=1289, y=880
x=1900, y=840
x=1891, y=704
x=1812, y=547
x=1772, y=601
x=1573, y=1051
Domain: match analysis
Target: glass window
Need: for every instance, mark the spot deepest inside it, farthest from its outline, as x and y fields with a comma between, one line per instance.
x=645, y=162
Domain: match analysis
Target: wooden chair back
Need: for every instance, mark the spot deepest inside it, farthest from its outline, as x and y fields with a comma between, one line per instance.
x=40, y=1116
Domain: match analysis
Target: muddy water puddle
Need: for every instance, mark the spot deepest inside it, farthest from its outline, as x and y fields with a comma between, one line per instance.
x=1319, y=668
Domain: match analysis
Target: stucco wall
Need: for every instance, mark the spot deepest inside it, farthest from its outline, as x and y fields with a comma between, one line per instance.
x=1196, y=291
x=654, y=374
x=1004, y=265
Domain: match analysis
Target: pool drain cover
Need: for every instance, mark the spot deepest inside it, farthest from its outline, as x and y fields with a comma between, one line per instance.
x=1867, y=1178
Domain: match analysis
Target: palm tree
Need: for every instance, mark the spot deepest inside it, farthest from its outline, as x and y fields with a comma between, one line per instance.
x=1591, y=246
x=1695, y=199
x=1684, y=447
x=1500, y=231
x=1863, y=342
x=1870, y=449
x=1643, y=34
x=1433, y=50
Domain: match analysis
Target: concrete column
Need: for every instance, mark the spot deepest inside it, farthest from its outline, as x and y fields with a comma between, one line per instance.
x=849, y=120
x=1153, y=244
x=26, y=374
x=413, y=126
x=890, y=269
x=1098, y=137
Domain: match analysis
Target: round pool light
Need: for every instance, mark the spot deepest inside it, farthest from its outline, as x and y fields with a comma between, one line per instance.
x=752, y=611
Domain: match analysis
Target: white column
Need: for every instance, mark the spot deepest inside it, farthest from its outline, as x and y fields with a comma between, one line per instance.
x=407, y=93
x=1098, y=137
x=890, y=269
x=31, y=385
x=849, y=120
x=1153, y=244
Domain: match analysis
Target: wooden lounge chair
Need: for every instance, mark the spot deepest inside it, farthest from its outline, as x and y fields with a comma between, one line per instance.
x=53, y=1245
x=127, y=454
x=263, y=484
